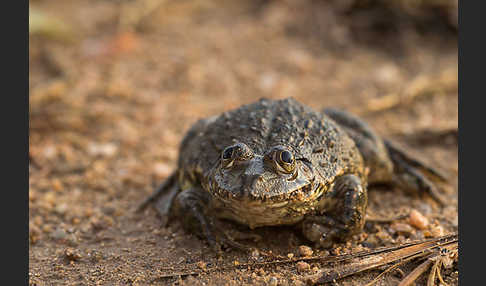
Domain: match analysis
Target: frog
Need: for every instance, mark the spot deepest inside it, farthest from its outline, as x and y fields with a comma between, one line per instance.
x=279, y=162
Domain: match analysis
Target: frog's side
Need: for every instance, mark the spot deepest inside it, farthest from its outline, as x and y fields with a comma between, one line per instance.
x=278, y=162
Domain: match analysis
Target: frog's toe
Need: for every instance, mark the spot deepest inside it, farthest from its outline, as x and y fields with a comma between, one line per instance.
x=401, y=158
x=240, y=235
x=322, y=235
x=227, y=240
x=410, y=174
x=413, y=181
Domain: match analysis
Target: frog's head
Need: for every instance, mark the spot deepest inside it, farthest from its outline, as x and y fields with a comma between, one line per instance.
x=273, y=177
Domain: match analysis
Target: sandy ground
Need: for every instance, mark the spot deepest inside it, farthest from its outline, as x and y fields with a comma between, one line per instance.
x=114, y=85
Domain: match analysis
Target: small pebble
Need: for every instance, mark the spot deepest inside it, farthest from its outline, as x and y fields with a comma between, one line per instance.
x=59, y=234
x=401, y=228
x=417, y=220
x=50, y=152
x=61, y=209
x=201, y=265
x=72, y=254
x=305, y=250
x=273, y=281
x=302, y=266
x=47, y=228
x=298, y=283
x=95, y=256
x=57, y=185
x=102, y=149
x=255, y=254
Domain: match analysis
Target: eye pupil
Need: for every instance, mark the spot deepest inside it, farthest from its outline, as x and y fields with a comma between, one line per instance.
x=286, y=157
x=228, y=152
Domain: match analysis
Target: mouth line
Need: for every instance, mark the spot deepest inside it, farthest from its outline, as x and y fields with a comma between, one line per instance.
x=303, y=193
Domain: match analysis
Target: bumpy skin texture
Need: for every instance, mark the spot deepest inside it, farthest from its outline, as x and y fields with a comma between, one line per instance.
x=278, y=162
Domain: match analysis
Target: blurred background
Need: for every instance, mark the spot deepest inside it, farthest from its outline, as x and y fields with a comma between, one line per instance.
x=115, y=84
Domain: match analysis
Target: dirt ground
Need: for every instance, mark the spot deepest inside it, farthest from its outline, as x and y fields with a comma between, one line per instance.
x=114, y=85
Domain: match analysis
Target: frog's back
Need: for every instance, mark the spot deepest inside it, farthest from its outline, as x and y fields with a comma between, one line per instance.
x=267, y=123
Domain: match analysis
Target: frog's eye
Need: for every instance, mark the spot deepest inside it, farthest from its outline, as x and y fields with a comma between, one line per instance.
x=227, y=157
x=228, y=152
x=235, y=153
x=285, y=161
x=286, y=157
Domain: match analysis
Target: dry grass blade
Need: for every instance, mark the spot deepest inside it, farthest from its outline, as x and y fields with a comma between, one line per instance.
x=433, y=272
x=438, y=259
x=394, y=266
x=412, y=276
x=381, y=258
x=345, y=265
x=440, y=275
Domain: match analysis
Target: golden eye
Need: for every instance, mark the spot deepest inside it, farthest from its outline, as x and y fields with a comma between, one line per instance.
x=228, y=152
x=227, y=157
x=286, y=161
x=237, y=153
x=286, y=157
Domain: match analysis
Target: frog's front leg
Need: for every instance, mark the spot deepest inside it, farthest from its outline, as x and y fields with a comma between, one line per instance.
x=189, y=205
x=345, y=216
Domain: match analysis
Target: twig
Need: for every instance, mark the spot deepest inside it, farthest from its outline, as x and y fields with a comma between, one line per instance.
x=394, y=266
x=350, y=263
x=385, y=257
x=412, y=276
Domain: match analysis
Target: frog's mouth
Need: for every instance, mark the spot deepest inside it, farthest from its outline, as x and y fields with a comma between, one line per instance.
x=270, y=190
x=287, y=207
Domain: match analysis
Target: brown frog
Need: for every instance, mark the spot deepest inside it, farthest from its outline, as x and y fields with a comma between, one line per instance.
x=278, y=162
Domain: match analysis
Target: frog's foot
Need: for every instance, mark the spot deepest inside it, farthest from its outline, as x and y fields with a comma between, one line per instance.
x=189, y=205
x=230, y=238
x=348, y=198
x=324, y=231
x=413, y=175
x=240, y=235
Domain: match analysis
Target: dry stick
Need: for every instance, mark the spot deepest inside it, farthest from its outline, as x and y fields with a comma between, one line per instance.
x=436, y=267
x=394, y=266
x=440, y=276
x=381, y=256
x=374, y=261
x=412, y=276
x=433, y=271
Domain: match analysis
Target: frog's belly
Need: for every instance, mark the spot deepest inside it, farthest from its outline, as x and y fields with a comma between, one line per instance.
x=255, y=214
